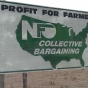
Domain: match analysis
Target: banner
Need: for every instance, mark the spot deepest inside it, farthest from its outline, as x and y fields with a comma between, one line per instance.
x=36, y=38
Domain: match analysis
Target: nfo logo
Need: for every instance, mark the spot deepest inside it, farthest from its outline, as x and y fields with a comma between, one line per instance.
x=48, y=30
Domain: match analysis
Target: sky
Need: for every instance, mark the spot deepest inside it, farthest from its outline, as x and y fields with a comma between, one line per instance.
x=81, y=5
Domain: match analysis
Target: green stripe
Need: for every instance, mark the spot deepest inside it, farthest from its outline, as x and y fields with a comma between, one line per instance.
x=49, y=69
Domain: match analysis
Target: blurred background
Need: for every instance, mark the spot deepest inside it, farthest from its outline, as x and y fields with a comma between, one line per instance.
x=67, y=4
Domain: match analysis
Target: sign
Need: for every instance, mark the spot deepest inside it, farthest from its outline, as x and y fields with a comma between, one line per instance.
x=35, y=38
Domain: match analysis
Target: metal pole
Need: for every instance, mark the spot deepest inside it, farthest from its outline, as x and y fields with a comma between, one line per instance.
x=2, y=80
x=24, y=80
